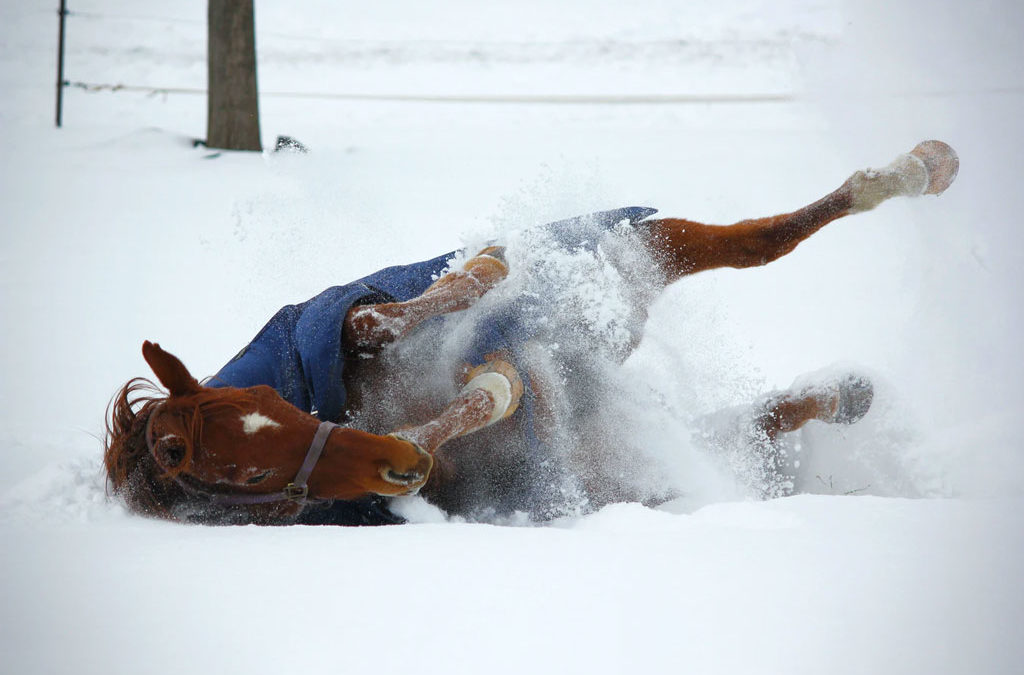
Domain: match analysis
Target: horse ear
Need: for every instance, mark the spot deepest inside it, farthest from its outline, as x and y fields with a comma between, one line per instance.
x=169, y=369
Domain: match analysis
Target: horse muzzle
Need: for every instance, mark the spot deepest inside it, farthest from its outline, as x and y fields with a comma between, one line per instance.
x=412, y=478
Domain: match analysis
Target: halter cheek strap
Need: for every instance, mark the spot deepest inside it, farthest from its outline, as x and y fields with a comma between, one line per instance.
x=296, y=491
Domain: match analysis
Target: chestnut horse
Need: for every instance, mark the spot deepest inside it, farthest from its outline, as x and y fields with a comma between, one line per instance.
x=261, y=441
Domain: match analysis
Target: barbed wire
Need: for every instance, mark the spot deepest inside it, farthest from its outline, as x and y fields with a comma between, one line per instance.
x=566, y=99
x=549, y=99
x=122, y=17
x=554, y=99
x=627, y=99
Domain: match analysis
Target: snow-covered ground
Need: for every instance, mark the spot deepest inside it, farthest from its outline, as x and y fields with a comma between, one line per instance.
x=117, y=230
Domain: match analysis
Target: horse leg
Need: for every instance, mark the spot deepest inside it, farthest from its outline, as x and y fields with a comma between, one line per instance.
x=683, y=247
x=843, y=400
x=491, y=394
x=368, y=328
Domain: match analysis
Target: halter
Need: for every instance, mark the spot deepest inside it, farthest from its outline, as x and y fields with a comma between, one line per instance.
x=296, y=491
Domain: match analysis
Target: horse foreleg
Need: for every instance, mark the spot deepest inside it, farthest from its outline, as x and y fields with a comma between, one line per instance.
x=491, y=394
x=368, y=328
x=684, y=247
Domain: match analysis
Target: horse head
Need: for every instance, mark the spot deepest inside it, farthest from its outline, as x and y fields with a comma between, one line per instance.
x=202, y=447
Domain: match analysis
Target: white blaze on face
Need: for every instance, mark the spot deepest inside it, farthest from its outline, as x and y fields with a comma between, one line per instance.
x=254, y=422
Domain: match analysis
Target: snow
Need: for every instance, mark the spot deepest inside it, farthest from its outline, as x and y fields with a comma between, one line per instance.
x=117, y=230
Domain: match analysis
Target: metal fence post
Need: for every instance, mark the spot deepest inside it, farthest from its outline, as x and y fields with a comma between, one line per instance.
x=60, y=61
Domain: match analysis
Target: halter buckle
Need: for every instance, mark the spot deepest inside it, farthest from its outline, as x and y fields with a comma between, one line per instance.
x=295, y=493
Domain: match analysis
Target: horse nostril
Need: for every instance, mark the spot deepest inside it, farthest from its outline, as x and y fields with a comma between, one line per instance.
x=416, y=467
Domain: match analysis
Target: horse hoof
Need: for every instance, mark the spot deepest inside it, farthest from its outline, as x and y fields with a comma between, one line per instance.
x=496, y=252
x=501, y=379
x=855, y=396
x=941, y=162
x=489, y=265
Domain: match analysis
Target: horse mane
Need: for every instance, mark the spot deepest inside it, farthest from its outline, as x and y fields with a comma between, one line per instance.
x=133, y=473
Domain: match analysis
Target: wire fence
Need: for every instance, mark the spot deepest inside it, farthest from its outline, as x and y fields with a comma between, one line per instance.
x=125, y=17
x=499, y=98
x=557, y=99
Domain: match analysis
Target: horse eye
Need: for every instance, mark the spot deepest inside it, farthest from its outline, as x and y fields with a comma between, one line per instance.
x=173, y=455
x=258, y=479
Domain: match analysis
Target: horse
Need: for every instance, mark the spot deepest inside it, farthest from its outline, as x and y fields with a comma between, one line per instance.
x=357, y=395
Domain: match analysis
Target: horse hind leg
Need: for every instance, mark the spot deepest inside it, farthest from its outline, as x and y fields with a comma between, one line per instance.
x=843, y=400
x=368, y=328
x=684, y=247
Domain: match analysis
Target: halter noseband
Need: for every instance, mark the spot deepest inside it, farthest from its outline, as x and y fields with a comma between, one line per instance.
x=296, y=491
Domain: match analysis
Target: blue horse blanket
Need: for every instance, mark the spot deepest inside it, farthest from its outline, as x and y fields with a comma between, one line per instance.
x=299, y=352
